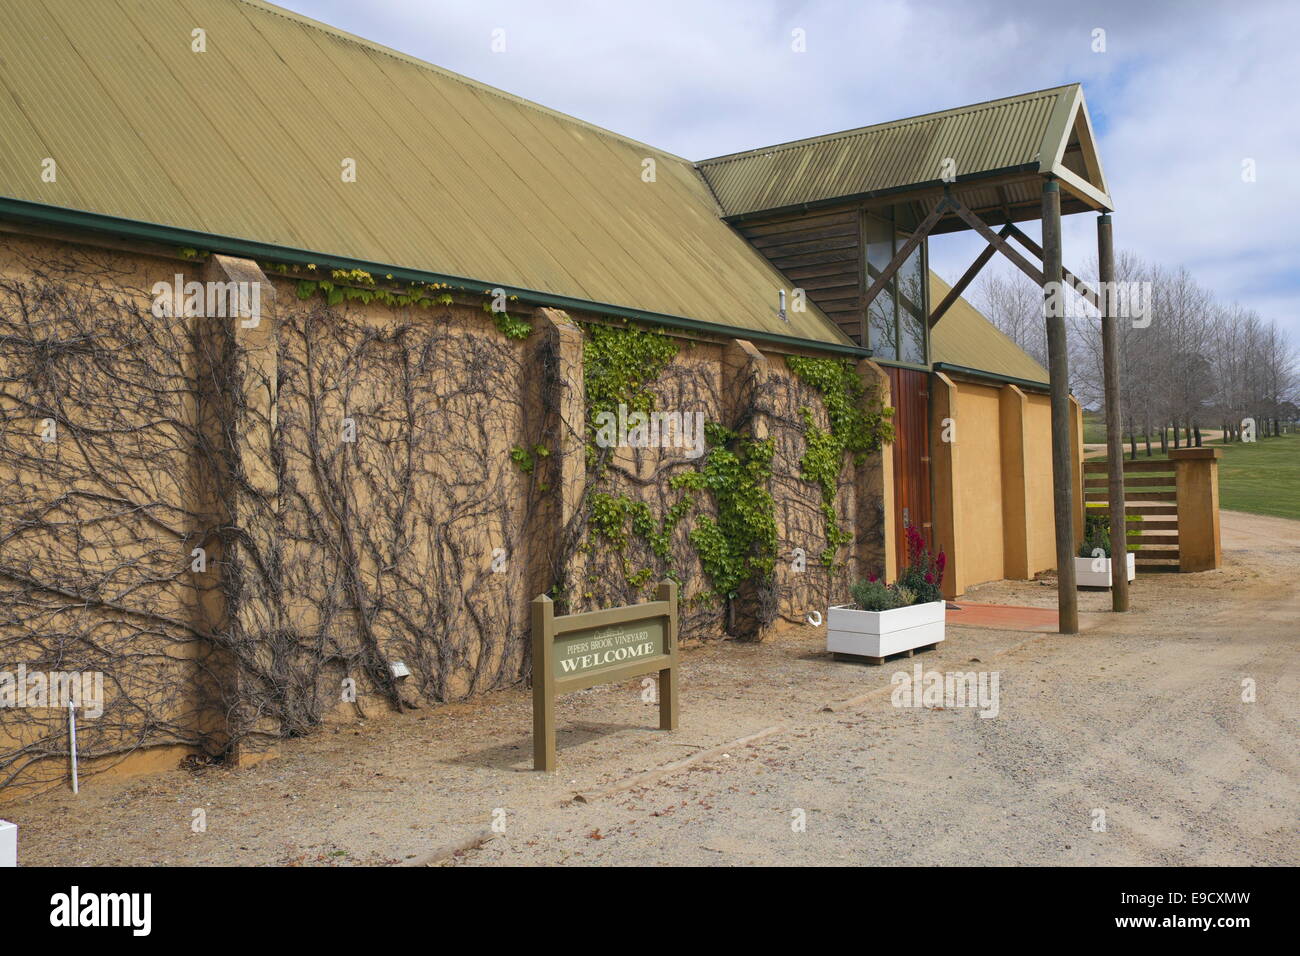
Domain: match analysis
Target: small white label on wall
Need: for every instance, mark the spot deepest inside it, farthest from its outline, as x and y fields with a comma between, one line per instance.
x=8, y=844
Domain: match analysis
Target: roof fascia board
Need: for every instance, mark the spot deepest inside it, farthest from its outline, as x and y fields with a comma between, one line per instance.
x=23, y=210
x=1088, y=140
x=1057, y=132
x=1068, y=111
x=1084, y=190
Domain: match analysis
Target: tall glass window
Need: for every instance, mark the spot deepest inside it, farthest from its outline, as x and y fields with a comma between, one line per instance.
x=880, y=317
x=911, y=289
x=896, y=321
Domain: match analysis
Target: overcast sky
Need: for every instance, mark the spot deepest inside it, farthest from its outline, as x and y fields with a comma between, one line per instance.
x=1183, y=93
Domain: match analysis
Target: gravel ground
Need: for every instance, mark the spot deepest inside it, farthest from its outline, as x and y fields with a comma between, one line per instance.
x=1140, y=717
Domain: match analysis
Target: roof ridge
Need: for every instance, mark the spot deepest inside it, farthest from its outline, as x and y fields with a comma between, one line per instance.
x=859, y=130
x=265, y=7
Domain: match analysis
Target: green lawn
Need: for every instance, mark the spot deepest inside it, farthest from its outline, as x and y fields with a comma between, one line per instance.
x=1094, y=429
x=1261, y=477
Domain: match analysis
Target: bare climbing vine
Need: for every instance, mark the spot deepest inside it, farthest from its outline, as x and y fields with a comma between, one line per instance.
x=392, y=530
x=244, y=540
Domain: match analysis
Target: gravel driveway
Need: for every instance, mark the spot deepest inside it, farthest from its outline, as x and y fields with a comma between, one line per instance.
x=1140, y=718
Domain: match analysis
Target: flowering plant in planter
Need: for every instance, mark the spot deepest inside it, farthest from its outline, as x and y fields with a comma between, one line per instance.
x=924, y=572
x=888, y=618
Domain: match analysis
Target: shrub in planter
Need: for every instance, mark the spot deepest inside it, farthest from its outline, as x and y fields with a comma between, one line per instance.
x=1093, y=564
x=876, y=595
x=1096, y=532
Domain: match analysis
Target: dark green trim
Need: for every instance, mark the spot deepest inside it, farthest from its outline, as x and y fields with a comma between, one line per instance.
x=25, y=211
x=992, y=376
x=895, y=363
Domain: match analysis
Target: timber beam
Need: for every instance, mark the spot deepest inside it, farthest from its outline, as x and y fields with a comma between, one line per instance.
x=956, y=291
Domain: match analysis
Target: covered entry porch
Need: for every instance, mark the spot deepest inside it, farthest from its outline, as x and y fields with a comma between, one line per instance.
x=848, y=218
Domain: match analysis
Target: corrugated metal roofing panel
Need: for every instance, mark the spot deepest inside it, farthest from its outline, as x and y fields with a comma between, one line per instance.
x=246, y=140
x=982, y=138
x=963, y=336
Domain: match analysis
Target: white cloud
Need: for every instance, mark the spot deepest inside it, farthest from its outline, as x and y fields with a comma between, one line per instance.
x=1181, y=95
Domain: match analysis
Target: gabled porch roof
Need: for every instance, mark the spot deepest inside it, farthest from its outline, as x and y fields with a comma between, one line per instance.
x=992, y=157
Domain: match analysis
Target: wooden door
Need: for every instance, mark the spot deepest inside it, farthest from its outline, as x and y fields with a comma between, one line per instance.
x=912, y=503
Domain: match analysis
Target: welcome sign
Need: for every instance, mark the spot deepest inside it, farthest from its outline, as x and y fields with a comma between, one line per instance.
x=577, y=651
x=586, y=651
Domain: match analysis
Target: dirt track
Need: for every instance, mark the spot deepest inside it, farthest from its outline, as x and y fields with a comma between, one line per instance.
x=1144, y=721
x=1140, y=717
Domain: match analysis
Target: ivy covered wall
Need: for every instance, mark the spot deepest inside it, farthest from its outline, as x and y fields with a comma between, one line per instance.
x=375, y=474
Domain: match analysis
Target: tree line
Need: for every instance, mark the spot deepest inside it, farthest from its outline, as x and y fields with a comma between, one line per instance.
x=1189, y=362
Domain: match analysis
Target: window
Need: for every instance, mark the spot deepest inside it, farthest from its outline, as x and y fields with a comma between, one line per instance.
x=881, y=326
x=896, y=321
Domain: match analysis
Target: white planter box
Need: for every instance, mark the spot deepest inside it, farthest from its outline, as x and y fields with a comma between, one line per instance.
x=881, y=633
x=1086, y=577
x=8, y=844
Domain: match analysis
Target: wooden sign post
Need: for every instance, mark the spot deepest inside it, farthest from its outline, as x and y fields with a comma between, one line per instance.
x=601, y=647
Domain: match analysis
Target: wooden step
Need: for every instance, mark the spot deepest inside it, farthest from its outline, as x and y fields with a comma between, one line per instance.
x=1102, y=498
x=1131, y=483
x=1144, y=541
x=1156, y=554
x=1155, y=464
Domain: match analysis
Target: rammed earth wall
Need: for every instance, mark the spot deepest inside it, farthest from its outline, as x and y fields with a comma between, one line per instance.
x=239, y=522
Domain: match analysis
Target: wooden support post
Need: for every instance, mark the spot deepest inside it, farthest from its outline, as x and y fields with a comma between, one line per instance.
x=1067, y=598
x=543, y=684
x=667, y=591
x=1114, y=435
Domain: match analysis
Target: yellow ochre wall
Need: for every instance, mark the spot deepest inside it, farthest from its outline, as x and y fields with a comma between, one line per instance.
x=993, y=480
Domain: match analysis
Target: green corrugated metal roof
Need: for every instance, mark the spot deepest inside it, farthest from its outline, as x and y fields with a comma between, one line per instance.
x=1026, y=133
x=246, y=140
x=963, y=336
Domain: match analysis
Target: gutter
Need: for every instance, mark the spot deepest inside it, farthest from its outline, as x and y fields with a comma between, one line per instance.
x=992, y=376
x=25, y=211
